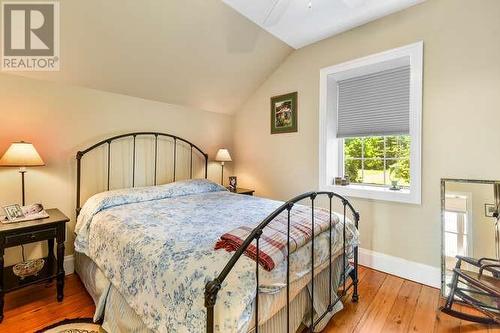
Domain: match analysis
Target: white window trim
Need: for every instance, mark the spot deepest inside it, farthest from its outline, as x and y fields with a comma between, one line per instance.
x=329, y=145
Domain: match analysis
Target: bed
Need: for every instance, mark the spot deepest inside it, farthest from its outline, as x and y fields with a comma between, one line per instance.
x=147, y=255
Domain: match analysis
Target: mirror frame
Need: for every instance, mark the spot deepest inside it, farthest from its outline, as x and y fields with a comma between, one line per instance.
x=443, y=197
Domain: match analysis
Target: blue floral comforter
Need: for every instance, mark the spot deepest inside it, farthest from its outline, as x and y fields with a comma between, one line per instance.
x=156, y=246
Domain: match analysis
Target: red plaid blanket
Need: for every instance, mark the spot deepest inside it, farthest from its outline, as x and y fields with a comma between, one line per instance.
x=272, y=243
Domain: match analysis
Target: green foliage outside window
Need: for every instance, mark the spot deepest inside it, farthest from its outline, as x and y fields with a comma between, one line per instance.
x=378, y=160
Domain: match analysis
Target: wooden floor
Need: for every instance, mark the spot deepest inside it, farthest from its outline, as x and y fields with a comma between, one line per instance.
x=387, y=304
x=391, y=304
x=35, y=307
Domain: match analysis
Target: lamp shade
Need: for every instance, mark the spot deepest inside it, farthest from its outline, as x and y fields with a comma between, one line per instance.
x=223, y=156
x=21, y=154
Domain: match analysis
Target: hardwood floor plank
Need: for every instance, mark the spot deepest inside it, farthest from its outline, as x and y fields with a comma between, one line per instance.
x=347, y=319
x=403, y=310
x=35, y=307
x=376, y=314
x=52, y=313
x=425, y=312
x=494, y=329
x=35, y=295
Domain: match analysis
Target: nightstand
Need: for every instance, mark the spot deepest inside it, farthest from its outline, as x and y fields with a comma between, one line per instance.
x=19, y=233
x=240, y=190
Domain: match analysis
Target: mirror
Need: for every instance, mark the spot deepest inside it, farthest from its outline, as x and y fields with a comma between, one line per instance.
x=469, y=223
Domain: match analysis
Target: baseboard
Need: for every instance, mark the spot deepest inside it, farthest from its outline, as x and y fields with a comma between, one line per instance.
x=410, y=270
x=69, y=264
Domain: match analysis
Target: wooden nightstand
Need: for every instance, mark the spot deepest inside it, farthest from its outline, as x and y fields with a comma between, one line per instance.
x=240, y=190
x=19, y=233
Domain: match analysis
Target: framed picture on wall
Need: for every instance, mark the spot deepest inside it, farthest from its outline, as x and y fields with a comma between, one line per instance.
x=489, y=210
x=284, y=113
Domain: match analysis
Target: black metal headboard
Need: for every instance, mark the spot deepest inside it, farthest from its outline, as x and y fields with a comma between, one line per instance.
x=80, y=154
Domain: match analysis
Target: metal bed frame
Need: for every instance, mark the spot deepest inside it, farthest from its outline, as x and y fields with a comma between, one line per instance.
x=213, y=287
x=134, y=135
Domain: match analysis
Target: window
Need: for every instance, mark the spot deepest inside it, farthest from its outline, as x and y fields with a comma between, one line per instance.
x=370, y=125
x=377, y=160
x=456, y=234
x=457, y=230
x=457, y=225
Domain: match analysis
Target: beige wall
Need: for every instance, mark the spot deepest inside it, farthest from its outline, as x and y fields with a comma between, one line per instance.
x=461, y=101
x=61, y=119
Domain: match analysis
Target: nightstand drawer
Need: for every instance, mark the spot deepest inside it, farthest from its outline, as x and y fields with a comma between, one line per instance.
x=28, y=237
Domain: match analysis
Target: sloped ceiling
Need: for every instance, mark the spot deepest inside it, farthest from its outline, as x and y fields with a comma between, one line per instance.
x=197, y=53
x=302, y=22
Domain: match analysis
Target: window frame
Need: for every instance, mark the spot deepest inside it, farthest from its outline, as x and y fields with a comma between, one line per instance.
x=331, y=149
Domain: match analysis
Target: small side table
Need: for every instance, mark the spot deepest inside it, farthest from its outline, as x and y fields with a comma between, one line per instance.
x=246, y=191
x=20, y=233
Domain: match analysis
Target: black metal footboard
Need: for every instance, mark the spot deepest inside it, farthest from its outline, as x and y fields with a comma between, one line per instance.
x=212, y=288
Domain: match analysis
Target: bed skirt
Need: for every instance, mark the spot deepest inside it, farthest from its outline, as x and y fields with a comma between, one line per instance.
x=118, y=316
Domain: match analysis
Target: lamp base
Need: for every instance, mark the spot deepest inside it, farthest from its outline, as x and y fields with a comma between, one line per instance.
x=222, y=174
x=22, y=171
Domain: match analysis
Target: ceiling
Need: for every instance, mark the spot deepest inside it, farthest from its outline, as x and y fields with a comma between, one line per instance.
x=302, y=22
x=197, y=53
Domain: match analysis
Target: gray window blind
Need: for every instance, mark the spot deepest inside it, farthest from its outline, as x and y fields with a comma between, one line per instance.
x=375, y=104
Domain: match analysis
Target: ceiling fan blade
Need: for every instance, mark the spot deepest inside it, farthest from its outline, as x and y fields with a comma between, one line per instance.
x=276, y=11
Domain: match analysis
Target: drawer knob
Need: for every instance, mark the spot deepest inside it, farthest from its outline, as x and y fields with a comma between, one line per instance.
x=33, y=236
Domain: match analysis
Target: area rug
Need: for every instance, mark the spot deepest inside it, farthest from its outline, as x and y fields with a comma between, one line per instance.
x=78, y=325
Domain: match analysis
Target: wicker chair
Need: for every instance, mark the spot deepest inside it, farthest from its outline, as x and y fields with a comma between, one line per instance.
x=476, y=289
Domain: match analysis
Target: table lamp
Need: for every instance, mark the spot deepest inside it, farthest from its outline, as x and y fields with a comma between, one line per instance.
x=222, y=156
x=21, y=154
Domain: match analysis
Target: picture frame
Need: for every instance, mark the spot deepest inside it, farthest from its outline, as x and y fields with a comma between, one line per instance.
x=233, y=181
x=28, y=213
x=284, y=110
x=13, y=212
x=489, y=210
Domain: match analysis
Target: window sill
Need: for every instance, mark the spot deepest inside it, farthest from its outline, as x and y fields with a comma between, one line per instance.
x=374, y=193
